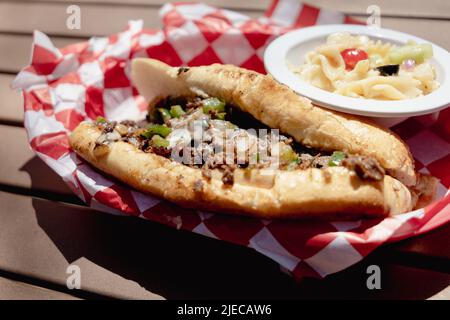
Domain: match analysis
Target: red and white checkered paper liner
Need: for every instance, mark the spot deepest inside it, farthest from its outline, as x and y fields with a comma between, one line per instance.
x=62, y=87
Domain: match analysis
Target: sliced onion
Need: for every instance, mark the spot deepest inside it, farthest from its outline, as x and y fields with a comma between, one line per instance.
x=180, y=136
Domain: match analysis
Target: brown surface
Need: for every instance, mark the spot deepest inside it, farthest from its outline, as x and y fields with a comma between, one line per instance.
x=21, y=168
x=132, y=258
x=34, y=246
x=15, y=290
x=11, y=108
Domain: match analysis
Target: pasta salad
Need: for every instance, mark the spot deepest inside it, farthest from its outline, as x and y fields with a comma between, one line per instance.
x=356, y=66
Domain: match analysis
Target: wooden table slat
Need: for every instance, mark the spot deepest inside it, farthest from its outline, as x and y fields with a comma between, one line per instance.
x=11, y=109
x=16, y=290
x=431, y=8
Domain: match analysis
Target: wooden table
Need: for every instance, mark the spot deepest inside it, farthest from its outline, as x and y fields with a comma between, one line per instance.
x=44, y=228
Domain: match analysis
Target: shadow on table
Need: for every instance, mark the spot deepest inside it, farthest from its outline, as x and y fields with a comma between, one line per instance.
x=179, y=264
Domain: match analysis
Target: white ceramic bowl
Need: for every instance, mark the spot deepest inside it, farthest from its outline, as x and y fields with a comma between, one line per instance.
x=293, y=46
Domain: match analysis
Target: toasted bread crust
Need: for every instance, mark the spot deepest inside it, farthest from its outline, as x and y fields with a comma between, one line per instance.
x=278, y=107
x=332, y=193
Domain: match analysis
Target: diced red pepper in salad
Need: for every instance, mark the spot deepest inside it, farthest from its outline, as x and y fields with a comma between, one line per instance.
x=352, y=56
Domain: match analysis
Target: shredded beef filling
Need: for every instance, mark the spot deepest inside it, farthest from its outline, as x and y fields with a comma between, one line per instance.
x=161, y=151
x=228, y=175
x=365, y=167
x=170, y=129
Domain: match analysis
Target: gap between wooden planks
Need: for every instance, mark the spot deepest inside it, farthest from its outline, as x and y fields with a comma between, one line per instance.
x=16, y=290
